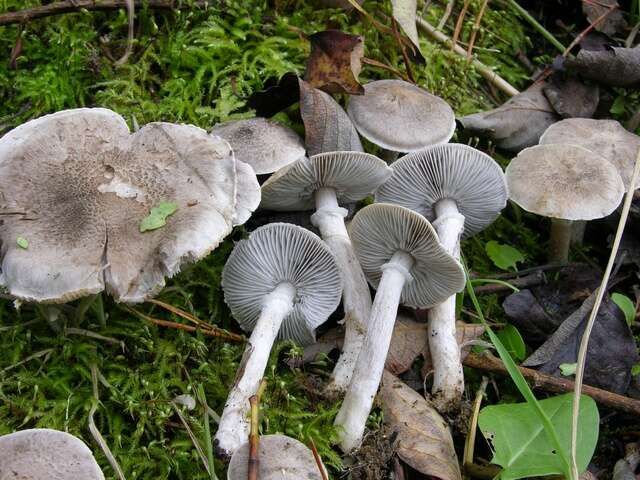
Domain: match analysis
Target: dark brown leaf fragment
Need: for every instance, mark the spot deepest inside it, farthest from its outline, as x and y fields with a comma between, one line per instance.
x=612, y=23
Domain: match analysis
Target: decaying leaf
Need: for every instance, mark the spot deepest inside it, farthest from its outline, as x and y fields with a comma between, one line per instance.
x=327, y=126
x=612, y=23
x=335, y=62
x=570, y=97
x=615, y=66
x=518, y=123
x=407, y=343
x=404, y=12
x=423, y=438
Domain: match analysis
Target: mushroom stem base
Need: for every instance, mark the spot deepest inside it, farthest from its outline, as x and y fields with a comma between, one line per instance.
x=561, y=232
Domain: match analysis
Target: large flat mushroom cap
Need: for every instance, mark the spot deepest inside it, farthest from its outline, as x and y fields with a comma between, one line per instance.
x=43, y=454
x=247, y=193
x=353, y=175
x=450, y=171
x=400, y=116
x=280, y=457
x=277, y=253
x=380, y=230
x=264, y=144
x=605, y=137
x=564, y=181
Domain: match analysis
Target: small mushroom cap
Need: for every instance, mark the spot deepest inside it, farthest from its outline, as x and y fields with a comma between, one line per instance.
x=43, y=454
x=564, y=181
x=247, y=193
x=400, y=116
x=277, y=253
x=264, y=144
x=605, y=137
x=354, y=175
x=280, y=457
x=450, y=171
x=380, y=230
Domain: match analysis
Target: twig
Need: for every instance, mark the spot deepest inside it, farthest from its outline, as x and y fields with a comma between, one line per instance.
x=405, y=57
x=588, y=29
x=539, y=380
x=384, y=66
x=459, y=22
x=447, y=13
x=254, y=434
x=470, y=442
x=476, y=28
x=548, y=267
x=536, y=25
x=317, y=458
x=131, y=11
x=528, y=281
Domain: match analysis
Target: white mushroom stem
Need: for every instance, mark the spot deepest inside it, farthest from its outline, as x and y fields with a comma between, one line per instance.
x=448, y=378
x=357, y=403
x=329, y=219
x=561, y=232
x=233, y=429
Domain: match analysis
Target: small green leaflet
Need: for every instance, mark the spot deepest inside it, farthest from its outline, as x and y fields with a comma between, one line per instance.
x=568, y=369
x=626, y=305
x=513, y=342
x=22, y=242
x=158, y=216
x=635, y=370
x=503, y=256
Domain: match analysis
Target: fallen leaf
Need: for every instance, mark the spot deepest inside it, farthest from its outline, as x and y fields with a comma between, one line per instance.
x=277, y=95
x=22, y=242
x=570, y=97
x=524, y=310
x=615, y=66
x=516, y=124
x=407, y=343
x=335, y=62
x=423, y=438
x=613, y=23
x=327, y=126
x=503, y=256
x=405, y=12
x=158, y=216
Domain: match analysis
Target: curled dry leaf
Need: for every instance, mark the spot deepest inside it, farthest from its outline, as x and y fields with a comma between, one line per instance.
x=404, y=12
x=335, y=62
x=615, y=66
x=423, y=438
x=570, y=97
x=614, y=21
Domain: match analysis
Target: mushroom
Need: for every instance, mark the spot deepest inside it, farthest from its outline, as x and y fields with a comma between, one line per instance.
x=87, y=206
x=247, y=193
x=401, y=256
x=44, y=454
x=326, y=181
x=280, y=457
x=566, y=183
x=281, y=283
x=461, y=191
x=264, y=144
x=401, y=117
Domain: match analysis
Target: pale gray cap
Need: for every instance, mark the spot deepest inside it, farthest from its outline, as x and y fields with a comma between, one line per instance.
x=564, y=181
x=400, y=116
x=277, y=253
x=264, y=144
x=43, y=454
x=472, y=179
x=605, y=137
x=380, y=230
x=353, y=175
x=247, y=193
x=280, y=457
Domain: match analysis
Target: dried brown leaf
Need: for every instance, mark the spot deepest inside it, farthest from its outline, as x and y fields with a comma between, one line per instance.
x=408, y=342
x=613, y=23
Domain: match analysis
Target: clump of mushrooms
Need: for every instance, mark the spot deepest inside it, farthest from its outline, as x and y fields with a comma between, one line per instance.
x=43, y=454
x=402, y=257
x=280, y=283
x=461, y=191
x=88, y=206
x=327, y=180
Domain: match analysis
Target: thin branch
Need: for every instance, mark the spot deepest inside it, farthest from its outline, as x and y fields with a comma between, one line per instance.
x=384, y=66
x=318, y=460
x=536, y=25
x=447, y=13
x=470, y=442
x=582, y=34
x=459, y=22
x=476, y=28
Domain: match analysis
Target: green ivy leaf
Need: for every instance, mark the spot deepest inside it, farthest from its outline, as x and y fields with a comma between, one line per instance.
x=158, y=216
x=503, y=256
x=568, y=369
x=22, y=242
x=513, y=342
x=626, y=305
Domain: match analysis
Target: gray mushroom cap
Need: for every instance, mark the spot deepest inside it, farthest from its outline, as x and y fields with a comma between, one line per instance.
x=278, y=253
x=564, y=181
x=605, y=137
x=451, y=171
x=380, y=230
x=280, y=457
x=247, y=193
x=43, y=454
x=400, y=116
x=76, y=186
x=264, y=144
x=353, y=175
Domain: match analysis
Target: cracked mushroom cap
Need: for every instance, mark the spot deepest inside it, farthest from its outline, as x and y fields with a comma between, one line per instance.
x=280, y=457
x=264, y=144
x=564, y=181
x=43, y=454
x=400, y=116
x=75, y=187
x=450, y=171
x=605, y=137
x=380, y=230
x=353, y=175
x=277, y=253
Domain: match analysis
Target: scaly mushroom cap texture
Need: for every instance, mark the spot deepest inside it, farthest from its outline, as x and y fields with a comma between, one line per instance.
x=380, y=230
x=564, y=181
x=264, y=144
x=472, y=179
x=277, y=253
x=400, y=116
x=43, y=454
x=280, y=457
x=353, y=175
x=605, y=137
x=75, y=187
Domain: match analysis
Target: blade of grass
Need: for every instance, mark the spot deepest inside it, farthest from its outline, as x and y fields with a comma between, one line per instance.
x=535, y=24
x=208, y=440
